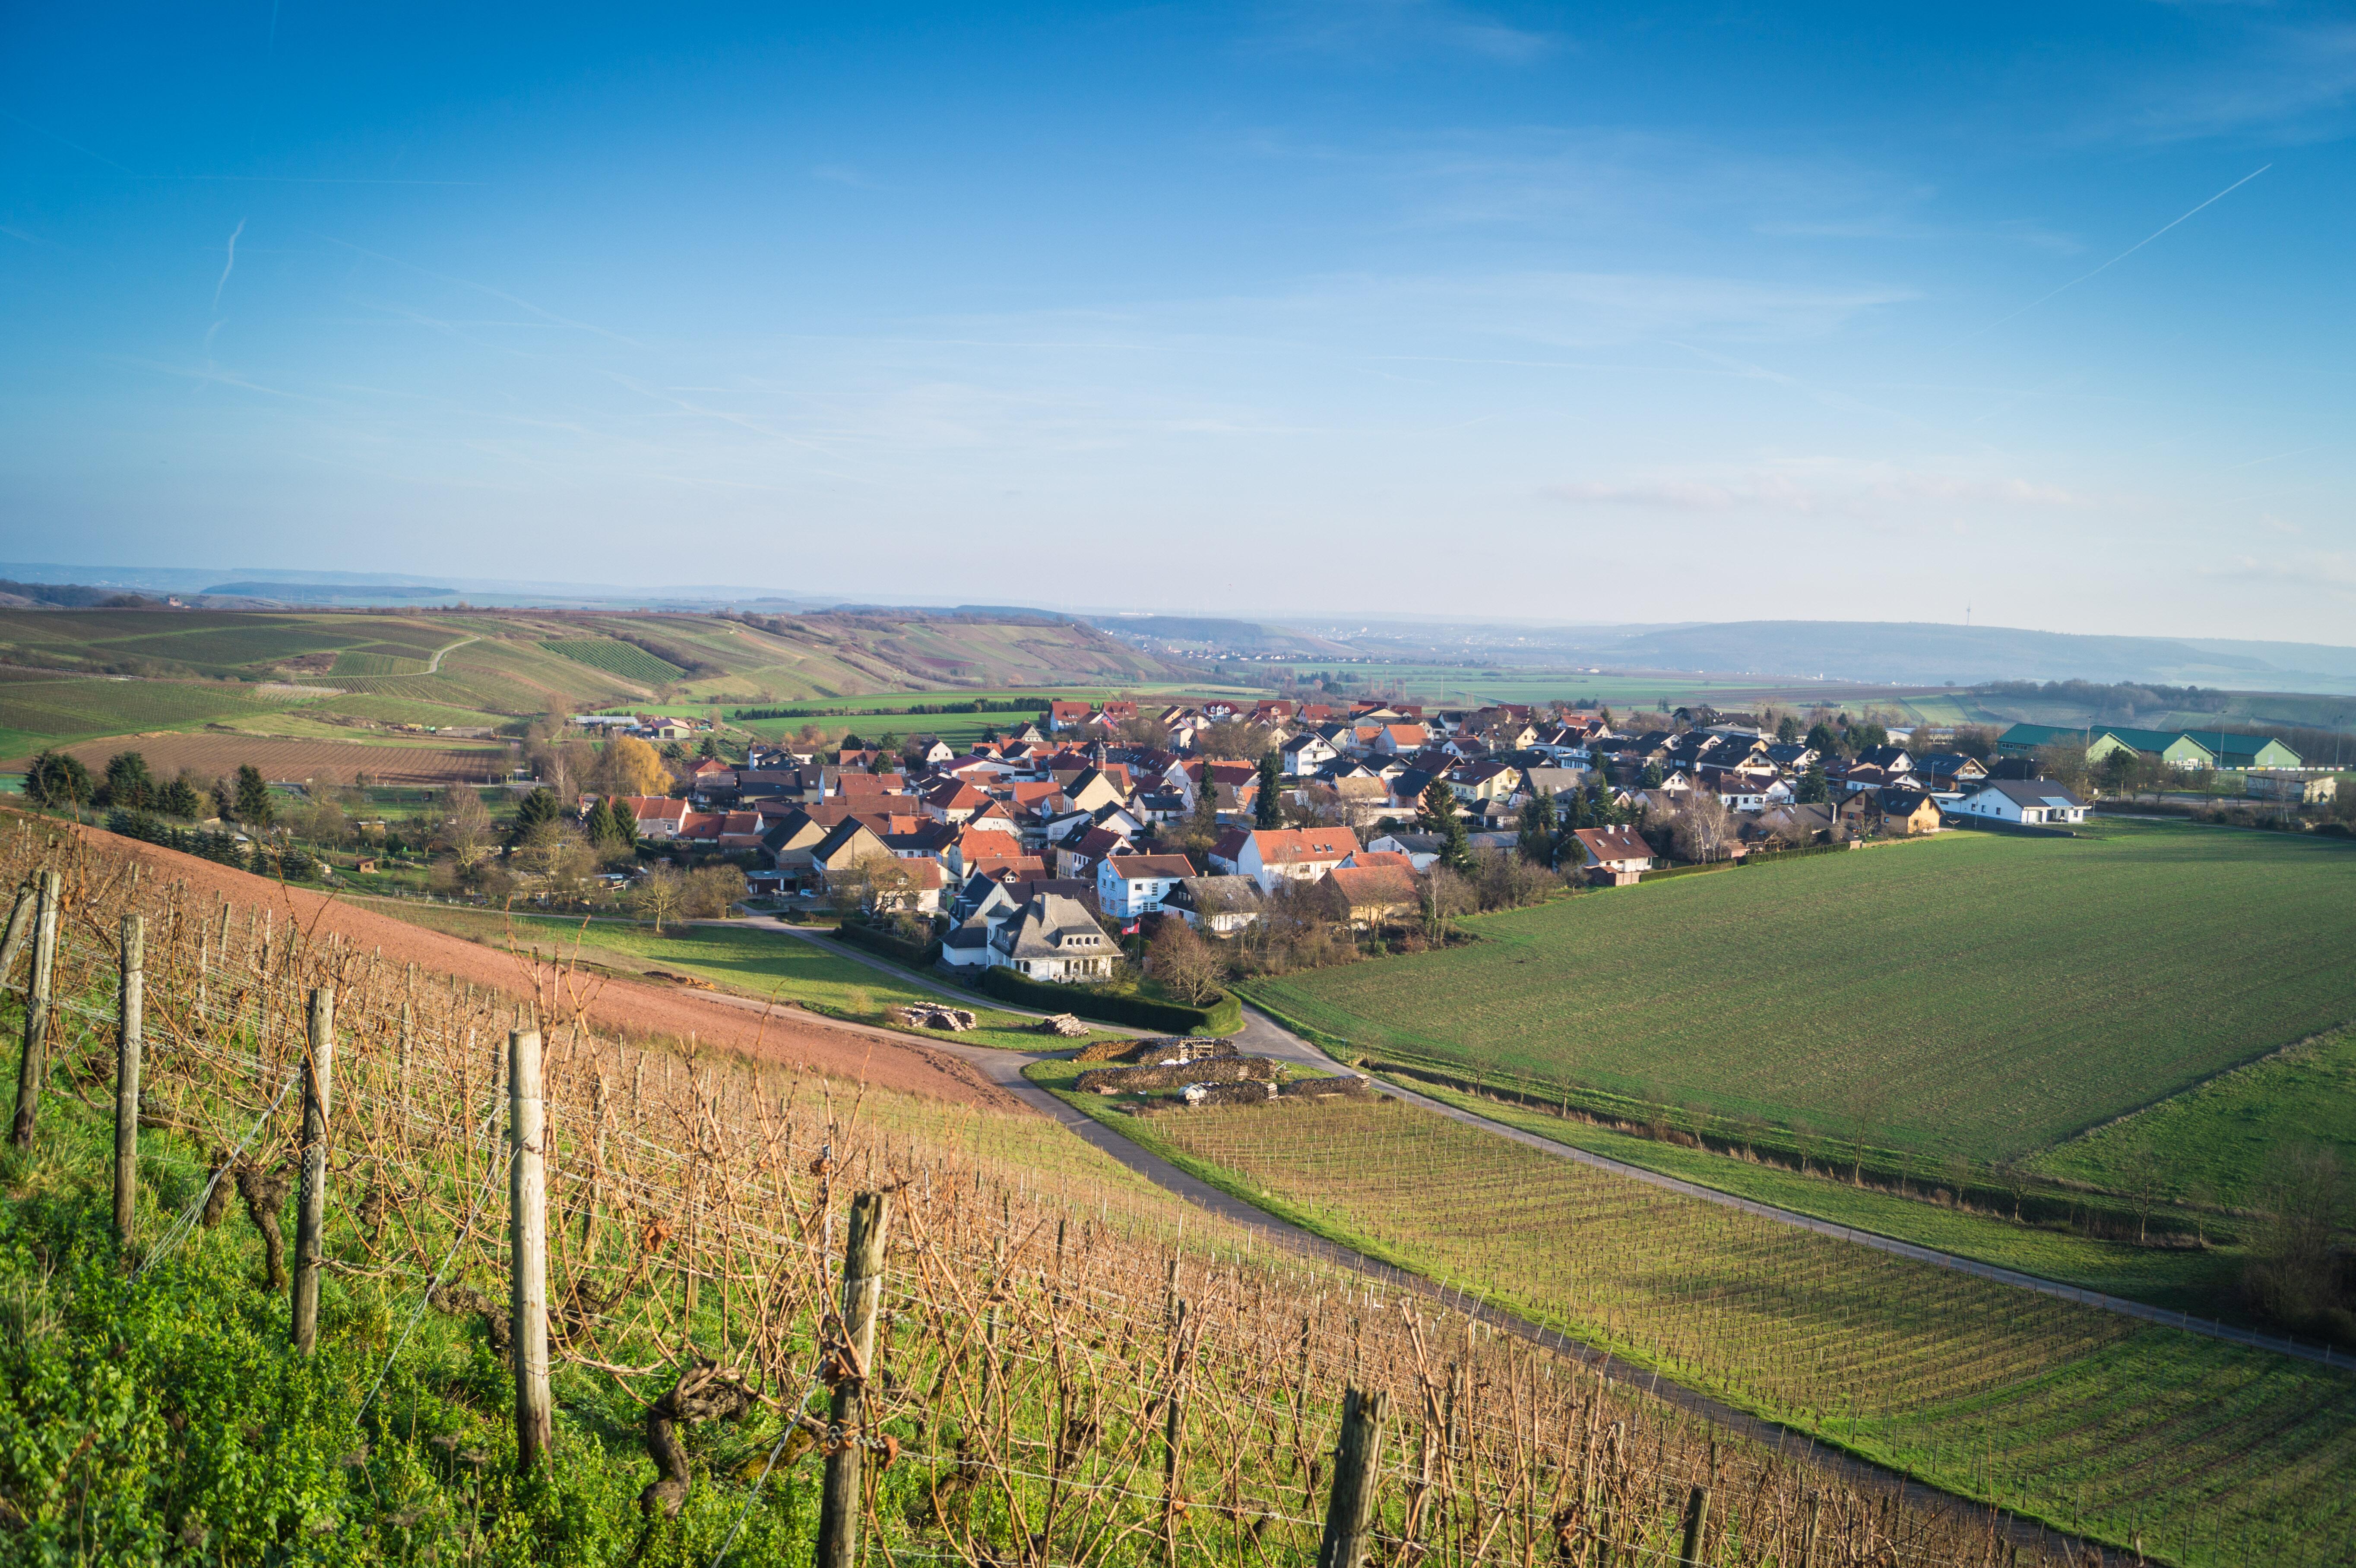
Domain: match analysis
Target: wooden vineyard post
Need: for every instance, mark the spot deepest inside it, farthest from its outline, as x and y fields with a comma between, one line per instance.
x=311, y=1205
x=34, y=1065
x=862, y=1294
x=20, y=921
x=1697, y=1515
x=1173, y=1427
x=132, y=1008
x=528, y=1228
x=1350, y=1507
x=1809, y=1542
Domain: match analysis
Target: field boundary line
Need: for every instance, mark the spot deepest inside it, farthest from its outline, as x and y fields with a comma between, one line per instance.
x=2195, y=1087
x=2161, y=1316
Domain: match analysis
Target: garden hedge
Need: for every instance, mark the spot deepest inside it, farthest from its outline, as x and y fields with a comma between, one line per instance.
x=922, y=954
x=1225, y=1016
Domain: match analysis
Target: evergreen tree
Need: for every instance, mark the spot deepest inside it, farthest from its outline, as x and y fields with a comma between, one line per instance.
x=711, y=748
x=1205, y=820
x=129, y=786
x=1787, y=730
x=1652, y=779
x=56, y=779
x=1815, y=788
x=1823, y=739
x=253, y=804
x=541, y=805
x=1441, y=817
x=1267, y=810
x=179, y=798
x=1538, y=828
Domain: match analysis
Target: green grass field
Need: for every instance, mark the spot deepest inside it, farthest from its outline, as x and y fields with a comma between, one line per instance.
x=2215, y=1140
x=2078, y=1416
x=749, y=960
x=1975, y=994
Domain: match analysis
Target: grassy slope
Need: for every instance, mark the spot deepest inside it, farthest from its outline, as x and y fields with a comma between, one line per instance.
x=1973, y=1385
x=164, y=1419
x=746, y=960
x=2217, y=1138
x=1977, y=993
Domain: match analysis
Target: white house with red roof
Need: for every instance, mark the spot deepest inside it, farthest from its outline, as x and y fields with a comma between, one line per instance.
x=657, y=816
x=1615, y=855
x=1273, y=855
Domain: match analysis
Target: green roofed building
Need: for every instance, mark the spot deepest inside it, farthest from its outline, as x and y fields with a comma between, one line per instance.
x=2023, y=739
x=2173, y=747
x=2245, y=751
x=2177, y=748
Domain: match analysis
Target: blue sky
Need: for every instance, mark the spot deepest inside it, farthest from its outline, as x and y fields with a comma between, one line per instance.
x=1608, y=314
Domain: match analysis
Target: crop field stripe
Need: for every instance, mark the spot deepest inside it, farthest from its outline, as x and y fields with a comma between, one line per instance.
x=625, y=659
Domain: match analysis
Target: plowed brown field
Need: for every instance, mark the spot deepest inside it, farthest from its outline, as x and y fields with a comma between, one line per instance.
x=211, y=754
x=640, y=1011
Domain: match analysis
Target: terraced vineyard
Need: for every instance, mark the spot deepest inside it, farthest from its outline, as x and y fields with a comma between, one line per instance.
x=616, y=657
x=2080, y=1416
x=1976, y=995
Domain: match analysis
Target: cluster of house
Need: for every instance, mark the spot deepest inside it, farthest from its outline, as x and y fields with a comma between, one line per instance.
x=1024, y=842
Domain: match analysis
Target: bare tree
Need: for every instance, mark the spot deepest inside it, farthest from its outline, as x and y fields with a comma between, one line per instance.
x=1701, y=827
x=462, y=830
x=1188, y=968
x=659, y=896
x=712, y=891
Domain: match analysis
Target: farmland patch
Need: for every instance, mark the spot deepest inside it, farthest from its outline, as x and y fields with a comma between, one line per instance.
x=616, y=657
x=1978, y=995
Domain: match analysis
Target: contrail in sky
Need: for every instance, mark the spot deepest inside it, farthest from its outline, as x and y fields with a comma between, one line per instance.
x=2131, y=250
x=231, y=265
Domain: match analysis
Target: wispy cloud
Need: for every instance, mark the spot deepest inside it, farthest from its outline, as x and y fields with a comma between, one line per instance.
x=843, y=174
x=2288, y=83
x=229, y=265
x=1821, y=487
x=1382, y=30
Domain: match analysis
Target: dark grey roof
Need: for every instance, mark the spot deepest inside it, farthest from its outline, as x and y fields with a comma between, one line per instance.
x=2034, y=792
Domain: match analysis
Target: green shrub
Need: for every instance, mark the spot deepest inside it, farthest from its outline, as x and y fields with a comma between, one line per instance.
x=1225, y=1016
x=922, y=954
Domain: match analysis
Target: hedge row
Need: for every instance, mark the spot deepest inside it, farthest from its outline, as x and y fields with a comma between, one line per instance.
x=1664, y=872
x=1225, y=1016
x=922, y=954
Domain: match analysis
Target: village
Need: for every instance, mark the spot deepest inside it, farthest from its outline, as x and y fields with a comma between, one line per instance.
x=1026, y=849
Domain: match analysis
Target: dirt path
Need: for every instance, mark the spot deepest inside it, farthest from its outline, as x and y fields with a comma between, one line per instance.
x=625, y=1006
x=434, y=664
